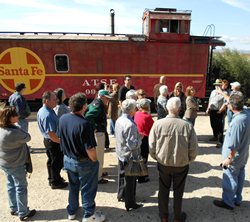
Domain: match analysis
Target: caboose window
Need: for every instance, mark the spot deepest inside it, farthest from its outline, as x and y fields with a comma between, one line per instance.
x=61, y=63
x=167, y=26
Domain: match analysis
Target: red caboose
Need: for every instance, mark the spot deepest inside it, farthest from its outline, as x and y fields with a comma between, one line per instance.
x=79, y=61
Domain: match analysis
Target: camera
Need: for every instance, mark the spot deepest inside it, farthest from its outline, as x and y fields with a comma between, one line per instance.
x=224, y=167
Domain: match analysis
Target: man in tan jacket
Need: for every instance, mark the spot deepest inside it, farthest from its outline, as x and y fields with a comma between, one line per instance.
x=173, y=144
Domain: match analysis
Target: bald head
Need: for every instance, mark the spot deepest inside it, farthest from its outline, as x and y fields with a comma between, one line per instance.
x=162, y=79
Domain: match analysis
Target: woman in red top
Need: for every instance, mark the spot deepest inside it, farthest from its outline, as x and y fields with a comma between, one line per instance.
x=144, y=122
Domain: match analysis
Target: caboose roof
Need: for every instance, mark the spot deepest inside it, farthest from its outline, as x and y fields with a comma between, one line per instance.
x=69, y=36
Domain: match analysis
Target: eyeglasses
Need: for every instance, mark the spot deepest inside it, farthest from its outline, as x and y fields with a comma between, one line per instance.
x=179, y=86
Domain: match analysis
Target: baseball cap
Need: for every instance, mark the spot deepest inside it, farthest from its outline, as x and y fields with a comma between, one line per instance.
x=236, y=84
x=105, y=93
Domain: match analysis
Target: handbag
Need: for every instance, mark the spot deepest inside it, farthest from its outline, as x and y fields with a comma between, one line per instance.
x=136, y=167
x=28, y=163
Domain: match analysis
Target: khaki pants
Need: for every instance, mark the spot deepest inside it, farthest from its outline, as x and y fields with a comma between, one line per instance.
x=100, y=141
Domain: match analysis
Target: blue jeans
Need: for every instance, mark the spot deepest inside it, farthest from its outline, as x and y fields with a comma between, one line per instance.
x=17, y=189
x=82, y=175
x=233, y=182
x=229, y=116
x=112, y=126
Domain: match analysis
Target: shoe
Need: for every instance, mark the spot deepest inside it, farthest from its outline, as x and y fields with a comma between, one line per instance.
x=213, y=139
x=72, y=217
x=221, y=204
x=104, y=174
x=121, y=199
x=60, y=185
x=62, y=180
x=103, y=181
x=183, y=218
x=218, y=145
x=237, y=204
x=14, y=212
x=96, y=217
x=136, y=206
x=30, y=214
x=144, y=180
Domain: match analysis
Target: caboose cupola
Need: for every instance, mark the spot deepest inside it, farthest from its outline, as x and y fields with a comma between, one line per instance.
x=166, y=24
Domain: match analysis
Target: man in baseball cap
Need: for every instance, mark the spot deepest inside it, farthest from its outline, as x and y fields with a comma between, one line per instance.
x=105, y=93
x=96, y=114
x=235, y=85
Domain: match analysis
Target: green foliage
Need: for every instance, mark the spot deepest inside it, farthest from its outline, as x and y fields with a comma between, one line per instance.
x=233, y=66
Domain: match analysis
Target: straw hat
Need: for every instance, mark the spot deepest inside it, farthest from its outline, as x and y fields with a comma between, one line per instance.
x=218, y=82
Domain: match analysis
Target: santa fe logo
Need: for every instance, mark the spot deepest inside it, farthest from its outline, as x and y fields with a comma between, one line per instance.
x=21, y=65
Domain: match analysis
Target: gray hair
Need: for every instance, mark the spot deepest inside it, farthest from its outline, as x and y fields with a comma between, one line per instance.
x=173, y=105
x=163, y=89
x=128, y=106
x=237, y=101
x=131, y=94
x=144, y=103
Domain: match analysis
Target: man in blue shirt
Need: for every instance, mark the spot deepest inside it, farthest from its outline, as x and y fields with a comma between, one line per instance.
x=80, y=159
x=48, y=125
x=235, y=152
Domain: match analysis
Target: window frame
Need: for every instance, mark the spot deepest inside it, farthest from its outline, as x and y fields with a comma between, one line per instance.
x=55, y=63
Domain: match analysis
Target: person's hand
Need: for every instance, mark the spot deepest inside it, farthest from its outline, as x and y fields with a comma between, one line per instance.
x=226, y=162
x=207, y=111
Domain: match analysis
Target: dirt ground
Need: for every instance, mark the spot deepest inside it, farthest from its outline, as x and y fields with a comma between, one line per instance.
x=203, y=185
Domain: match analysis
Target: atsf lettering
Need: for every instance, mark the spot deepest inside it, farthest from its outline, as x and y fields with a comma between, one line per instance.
x=94, y=82
x=32, y=71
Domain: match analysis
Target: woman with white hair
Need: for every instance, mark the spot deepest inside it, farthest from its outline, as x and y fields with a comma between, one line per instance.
x=128, y=142
x=131, y=94
x=162, y=102
x=144, y=122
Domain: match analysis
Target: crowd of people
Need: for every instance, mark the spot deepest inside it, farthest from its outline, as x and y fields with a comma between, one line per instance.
x=76, y=136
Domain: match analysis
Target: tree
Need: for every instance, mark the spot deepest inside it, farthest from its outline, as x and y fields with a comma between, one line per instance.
x=233, y=66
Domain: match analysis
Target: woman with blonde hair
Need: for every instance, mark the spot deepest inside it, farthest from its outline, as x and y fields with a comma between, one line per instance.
x=192, y=105
x=178, y=92
x=140, y=94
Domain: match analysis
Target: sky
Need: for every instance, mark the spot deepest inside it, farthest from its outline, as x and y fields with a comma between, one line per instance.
x=229, y=18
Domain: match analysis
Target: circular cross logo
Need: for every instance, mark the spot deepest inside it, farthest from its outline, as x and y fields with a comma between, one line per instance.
x=21, y=65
